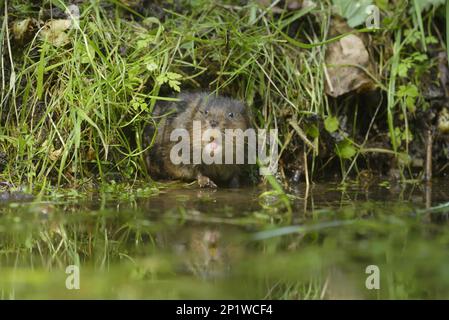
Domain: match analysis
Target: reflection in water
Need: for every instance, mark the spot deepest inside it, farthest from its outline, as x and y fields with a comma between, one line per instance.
x=230, y=243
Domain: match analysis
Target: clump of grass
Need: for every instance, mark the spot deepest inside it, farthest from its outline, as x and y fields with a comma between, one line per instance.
x=80, y=108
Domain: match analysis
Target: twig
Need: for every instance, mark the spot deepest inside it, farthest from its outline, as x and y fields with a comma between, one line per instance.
x=429, y=143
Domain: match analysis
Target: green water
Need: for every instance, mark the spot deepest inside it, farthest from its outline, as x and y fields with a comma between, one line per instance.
x=188, y=243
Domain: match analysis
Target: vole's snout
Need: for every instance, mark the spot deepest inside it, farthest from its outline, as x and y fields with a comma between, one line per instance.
x=213, y=123
x=213, y=145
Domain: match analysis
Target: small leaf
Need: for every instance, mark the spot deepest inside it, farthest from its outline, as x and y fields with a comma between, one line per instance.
x=403, y=69
x=151, y=66
x=173, y=76
x=161, y=79
x=427, y=4
x=410, y=103
x=412, y=36
x=345, y=149
x=55, y=154
x=312, y=131
x=420, y=57
x=331, y=124
x=409, y=90
x=89, y=52
x=354, y=11
x=431, y=40
x=174, y=85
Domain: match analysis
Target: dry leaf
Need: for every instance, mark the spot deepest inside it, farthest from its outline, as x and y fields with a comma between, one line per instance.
x=443, y=121
x=345, y=61
x=53, y=31
x=55, y=154
x=22, y=27
x=91, y=154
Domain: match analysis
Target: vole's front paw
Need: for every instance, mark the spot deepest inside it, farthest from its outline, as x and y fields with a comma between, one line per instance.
x=205, y=182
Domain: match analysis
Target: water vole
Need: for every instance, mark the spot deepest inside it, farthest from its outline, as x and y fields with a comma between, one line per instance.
x=215, y=113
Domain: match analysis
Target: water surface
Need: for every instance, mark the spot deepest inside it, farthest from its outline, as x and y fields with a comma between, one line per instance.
x=187, y=243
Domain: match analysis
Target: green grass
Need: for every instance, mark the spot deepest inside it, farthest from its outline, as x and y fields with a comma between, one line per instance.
x=76, y=112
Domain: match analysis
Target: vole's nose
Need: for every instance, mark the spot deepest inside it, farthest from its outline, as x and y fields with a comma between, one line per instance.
x=213, y=123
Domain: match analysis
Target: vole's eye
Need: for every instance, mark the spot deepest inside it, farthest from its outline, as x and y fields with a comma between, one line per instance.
x=206, y=112
x=231, y=115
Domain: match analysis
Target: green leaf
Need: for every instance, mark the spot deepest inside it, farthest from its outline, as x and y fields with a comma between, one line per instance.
x=426, y=4
x=412, y=36
x=161, y=79
x=382, y=4
x=404, y=158
x=345, y=149
x=431, y=40
x=409, y=90
x=173, y=76
x=151, y=65
x=174, y=85
x=40, y=70
x=354, y=11
x=85, y=51
x=410, y=103
x=312, y=130
x=403, y=68
x=331, y=124
x=420, y=57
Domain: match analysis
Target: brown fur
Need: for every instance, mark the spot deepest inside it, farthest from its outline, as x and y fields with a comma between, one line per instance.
x=209, y=110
